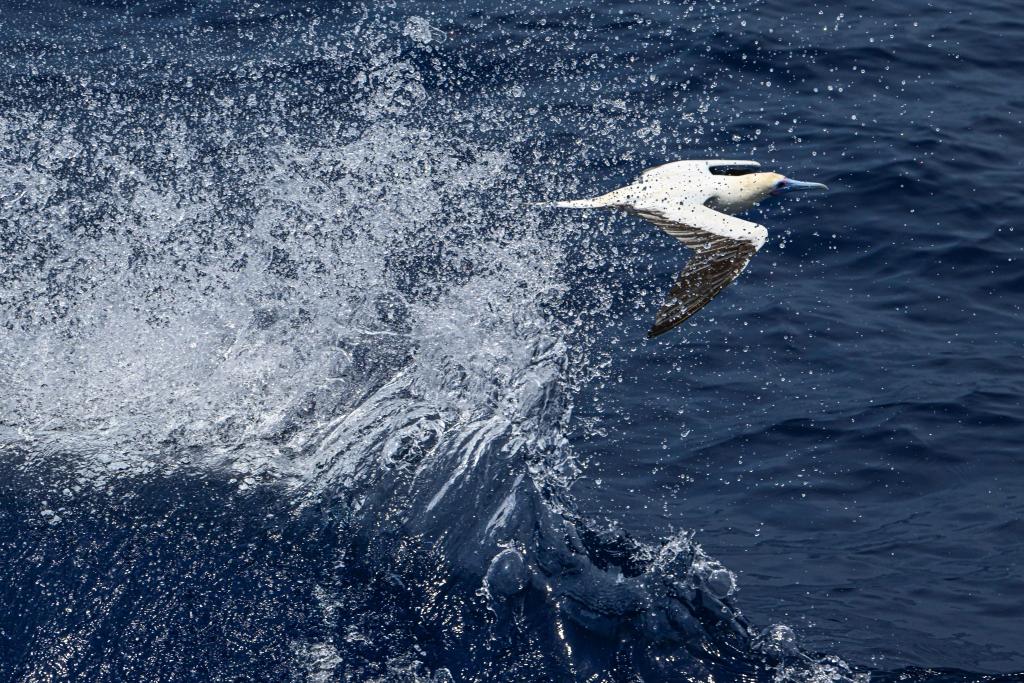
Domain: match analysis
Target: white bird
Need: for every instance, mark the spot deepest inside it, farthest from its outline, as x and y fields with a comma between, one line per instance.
x=694, y=201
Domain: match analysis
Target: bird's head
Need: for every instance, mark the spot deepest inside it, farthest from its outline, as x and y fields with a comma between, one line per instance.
x=776, y=184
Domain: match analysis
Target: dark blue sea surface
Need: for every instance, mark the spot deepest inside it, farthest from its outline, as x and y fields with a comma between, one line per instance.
x=299, y=383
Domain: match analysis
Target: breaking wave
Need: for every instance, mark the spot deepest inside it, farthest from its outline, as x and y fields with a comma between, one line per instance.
x=332, y=293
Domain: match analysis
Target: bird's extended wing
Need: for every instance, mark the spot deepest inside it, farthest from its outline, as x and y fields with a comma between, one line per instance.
x=722, y=246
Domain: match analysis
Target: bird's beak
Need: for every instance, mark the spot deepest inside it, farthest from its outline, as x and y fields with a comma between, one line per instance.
x=796, y=186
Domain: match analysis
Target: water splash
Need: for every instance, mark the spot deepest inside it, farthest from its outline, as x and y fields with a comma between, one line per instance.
x=357, y=307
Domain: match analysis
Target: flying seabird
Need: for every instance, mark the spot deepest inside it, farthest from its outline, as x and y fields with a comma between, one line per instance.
x=695, y=202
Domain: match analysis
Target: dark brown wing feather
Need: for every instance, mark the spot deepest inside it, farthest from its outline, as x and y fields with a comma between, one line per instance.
x=716, y=261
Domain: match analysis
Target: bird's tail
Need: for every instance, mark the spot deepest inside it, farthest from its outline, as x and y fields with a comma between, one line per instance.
x=573, y=204
x=606, y=201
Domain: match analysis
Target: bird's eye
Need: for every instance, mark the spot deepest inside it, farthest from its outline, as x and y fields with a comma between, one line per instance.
x=781, y=183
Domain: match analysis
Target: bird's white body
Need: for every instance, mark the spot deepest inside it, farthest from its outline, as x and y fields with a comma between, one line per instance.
x=694, y=182
x=680, y=189
x=696, y=202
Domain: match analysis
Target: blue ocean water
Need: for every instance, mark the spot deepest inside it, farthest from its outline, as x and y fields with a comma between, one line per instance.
x=299, y=384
